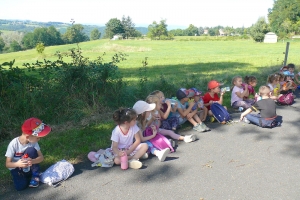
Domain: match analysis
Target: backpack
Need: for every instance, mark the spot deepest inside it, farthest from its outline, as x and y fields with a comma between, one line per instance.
x=286, y=99
x=57, y=173
x=220, y=113
x=159, y=141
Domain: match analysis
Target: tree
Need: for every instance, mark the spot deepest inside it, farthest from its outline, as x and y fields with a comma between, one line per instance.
x=259, y=29
x=128, y=26
x=54, y=36
x=113, y=26
x=158, y=31
x=75, y=34
x=192, y=30
x=15, y=46
x=200, y=30
x=2, y=44
x=28, y=41
x=40, y=48
x=283, y=13
x=212, y=32
x=95, y=34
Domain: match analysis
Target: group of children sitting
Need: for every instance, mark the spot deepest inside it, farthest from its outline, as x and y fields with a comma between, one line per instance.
x=150, y=126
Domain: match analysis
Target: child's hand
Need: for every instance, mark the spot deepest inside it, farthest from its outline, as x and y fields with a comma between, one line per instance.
x=154, y=130
x=189, y=116
x=168, y=102
x=211, y=102
x=191, y=104
x=22, y=163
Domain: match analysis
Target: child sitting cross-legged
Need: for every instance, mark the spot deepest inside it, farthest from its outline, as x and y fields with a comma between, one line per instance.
x=184, y=110
x=267, y=108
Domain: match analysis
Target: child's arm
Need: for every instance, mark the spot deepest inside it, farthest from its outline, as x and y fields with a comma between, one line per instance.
x=146, y=138
x=135, y=144
x=243, y=94
x=19, y=163
x=246, y=112
x=296, y=77
x=116, y=149
x=221, y=98
x=38, y=159
x=183, y=113
x=166, y=114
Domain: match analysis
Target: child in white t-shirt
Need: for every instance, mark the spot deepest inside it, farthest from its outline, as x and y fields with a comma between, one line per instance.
x=123, y=135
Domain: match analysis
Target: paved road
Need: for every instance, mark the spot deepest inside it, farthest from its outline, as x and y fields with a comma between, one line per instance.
x=237, y=161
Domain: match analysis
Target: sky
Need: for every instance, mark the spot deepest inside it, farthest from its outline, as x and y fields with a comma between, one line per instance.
x=178, y=14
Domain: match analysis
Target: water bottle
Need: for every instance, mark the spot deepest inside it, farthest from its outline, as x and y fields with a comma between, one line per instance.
x=26, y=169
x=241, y=109
x=124, y=161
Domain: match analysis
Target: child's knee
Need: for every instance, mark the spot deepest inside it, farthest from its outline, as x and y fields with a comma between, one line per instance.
x=144, y=146
x=117, y=161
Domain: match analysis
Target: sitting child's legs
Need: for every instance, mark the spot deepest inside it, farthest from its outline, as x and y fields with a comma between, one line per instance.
x=161, y=154
x=244, y=104
x=254, y=118
x=20, y=178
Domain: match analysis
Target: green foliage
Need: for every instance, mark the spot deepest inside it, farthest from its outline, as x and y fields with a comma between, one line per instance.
x=259, y=29
x=58, y=91
x=75, y=34
x=15, y=46
x=113, y=26
x=284, y=17
x=95, y=34
x=40, y=48
x=2, y=44
x=159, y=31
x=128, y=26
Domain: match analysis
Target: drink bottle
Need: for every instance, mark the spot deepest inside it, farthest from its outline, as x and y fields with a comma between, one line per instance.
x=26, y=169
x=124, y=161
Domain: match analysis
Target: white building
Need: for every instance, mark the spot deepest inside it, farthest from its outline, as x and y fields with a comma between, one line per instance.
x=270, y=38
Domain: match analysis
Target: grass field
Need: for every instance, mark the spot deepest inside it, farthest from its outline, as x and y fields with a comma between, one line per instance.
x=176, y=60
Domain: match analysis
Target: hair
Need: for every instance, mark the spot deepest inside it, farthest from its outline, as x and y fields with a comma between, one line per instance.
x=156, y=93
x=285, y=77
x=264, y=90
x=250, y=79
x=123, y=115
x=152, y=99
x=281, y=75
x=233, y=80
x=272, y=78
x=291, y=65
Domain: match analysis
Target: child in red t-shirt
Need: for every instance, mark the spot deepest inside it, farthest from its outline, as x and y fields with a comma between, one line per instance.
x=212, y=96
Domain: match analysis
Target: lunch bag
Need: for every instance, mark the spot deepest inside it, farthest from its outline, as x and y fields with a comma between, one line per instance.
x=286, y=99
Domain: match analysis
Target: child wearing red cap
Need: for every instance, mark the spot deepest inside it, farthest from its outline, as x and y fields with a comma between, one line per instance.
x=32, y=130
x=212, y=96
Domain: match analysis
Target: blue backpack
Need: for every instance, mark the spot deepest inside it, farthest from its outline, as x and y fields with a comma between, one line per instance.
x=220, y=113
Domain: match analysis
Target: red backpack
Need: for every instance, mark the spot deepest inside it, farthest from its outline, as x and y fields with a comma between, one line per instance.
x=286, y=99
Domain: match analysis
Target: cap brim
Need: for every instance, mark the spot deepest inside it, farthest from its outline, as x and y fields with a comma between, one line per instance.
x=45, y=132
x=191, y=94
x=151, y=106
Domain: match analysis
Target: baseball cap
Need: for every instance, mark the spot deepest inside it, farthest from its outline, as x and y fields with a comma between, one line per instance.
x=213, y=84
x=197, y=92
x=34, y=126
x=143, y=106
x=183, y=93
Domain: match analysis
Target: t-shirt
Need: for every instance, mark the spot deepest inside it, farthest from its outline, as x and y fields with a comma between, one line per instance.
x=267, y=108
x=182, y=106
x=15, y=149
x=207, y=98
x=124, y=141
x=235, y=97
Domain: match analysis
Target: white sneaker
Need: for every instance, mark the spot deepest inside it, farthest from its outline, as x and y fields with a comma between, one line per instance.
x=189, y=138
x=145, y=156
x=134, y=164
x=161, y=155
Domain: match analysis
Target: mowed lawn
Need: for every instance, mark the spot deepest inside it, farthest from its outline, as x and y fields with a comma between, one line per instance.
x=209, y=59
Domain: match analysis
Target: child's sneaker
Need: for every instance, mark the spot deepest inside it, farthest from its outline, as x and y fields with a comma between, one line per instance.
x=134, y=164
x=204, y=127
x=172, y=142
x=246, y=120
x=145, y=156
x=161, y=155
x=198, y=128
x=34, y=182
x=189, y=138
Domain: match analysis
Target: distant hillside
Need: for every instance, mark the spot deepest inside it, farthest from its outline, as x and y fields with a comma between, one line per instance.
x=29, y=26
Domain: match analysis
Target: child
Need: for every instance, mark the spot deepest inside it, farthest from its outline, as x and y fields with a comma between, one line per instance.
x=168, y=121
x=288, y=86
x=273, y=80
x=199, y=105
x=144, y=111
x=251, y=81
x=267, y=108
x=123, y=135
x=212, y=96
x=156, y=120
x=184, y=110
x=32, y=130
x=238, y=93
x=290, y=72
